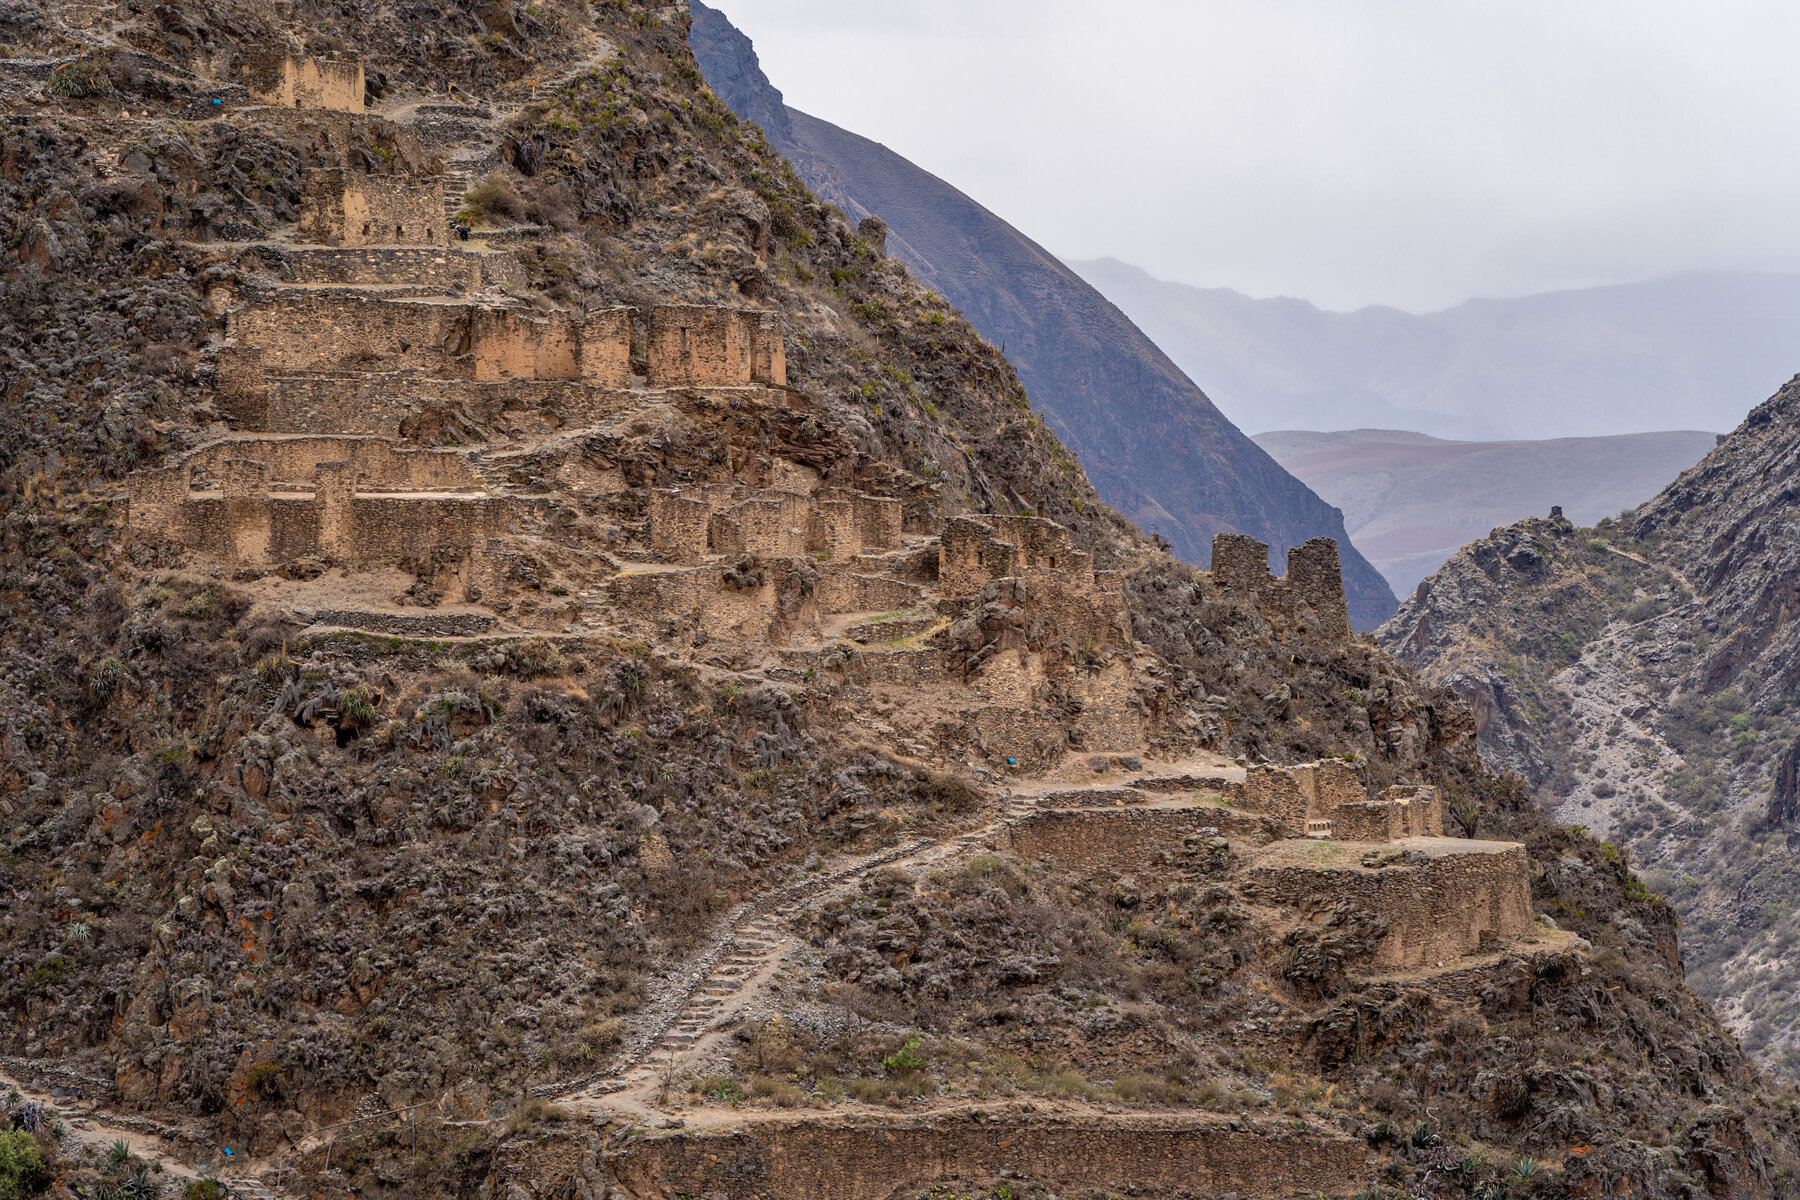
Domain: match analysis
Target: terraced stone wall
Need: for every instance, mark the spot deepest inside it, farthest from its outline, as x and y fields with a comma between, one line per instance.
x=399, y=406
x=687, y=603
x=1131, y=841
x=248, y=523
x=378, y=464
x=337, y=332
x=807, y=1159
x=443, y=268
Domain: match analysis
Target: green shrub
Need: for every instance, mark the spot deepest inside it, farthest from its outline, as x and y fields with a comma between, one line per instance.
x=490, y=201
x=906, y=1060
x=204, y=1189
x=22, y=1171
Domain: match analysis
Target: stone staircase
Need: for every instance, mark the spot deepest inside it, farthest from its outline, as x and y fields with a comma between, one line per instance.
x=752, y=949
x=250, y=1187
x=456, y=188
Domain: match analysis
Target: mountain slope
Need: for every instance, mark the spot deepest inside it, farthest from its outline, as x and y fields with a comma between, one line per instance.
x=1410, y=500
x=1680, y=352
x=1641, y=674
x=1152, y=443
x=578, y=713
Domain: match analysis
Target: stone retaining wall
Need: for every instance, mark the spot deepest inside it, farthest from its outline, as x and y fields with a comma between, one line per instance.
x=807, y=1160
x=248, y=523
x=442, y=268
x=394, y=405
x=292, y=462
x=1129, y=841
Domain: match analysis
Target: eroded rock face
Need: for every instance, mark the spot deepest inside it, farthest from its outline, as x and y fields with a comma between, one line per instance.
x=1639, y=674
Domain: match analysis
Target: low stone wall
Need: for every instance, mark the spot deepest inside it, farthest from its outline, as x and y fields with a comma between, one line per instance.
x=1334, y=791
x=421, y=625
x=910, y=667
x=807, y=1160
x=1129, y=841
x=1443, y=897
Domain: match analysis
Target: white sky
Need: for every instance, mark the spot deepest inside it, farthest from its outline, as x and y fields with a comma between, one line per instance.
x=1404, y=152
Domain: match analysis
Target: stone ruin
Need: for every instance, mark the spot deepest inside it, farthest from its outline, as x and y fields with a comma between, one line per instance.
x=343, y=207
x=1315, y=841
x=687, y=525
x=1313, y=585
x=324, y=375
x=287, y=79
x=1330, y=800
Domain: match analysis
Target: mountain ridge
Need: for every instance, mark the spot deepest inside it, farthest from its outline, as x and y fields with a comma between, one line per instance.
x=1676, y=352
x=1411, y=500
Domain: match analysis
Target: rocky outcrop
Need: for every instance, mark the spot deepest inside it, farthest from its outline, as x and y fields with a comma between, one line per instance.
x=1639, y=675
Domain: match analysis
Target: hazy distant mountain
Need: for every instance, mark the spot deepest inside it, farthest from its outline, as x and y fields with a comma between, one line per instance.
x=1684, y=352
x=1151, y=442
x=1412, y=501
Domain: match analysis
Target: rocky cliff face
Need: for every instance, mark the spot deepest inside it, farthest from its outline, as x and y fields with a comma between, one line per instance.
x=700, y=786
x=1640, y=674
x=1153, y=444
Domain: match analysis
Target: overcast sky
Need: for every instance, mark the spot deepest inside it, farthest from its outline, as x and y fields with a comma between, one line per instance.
x=1404, y=152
